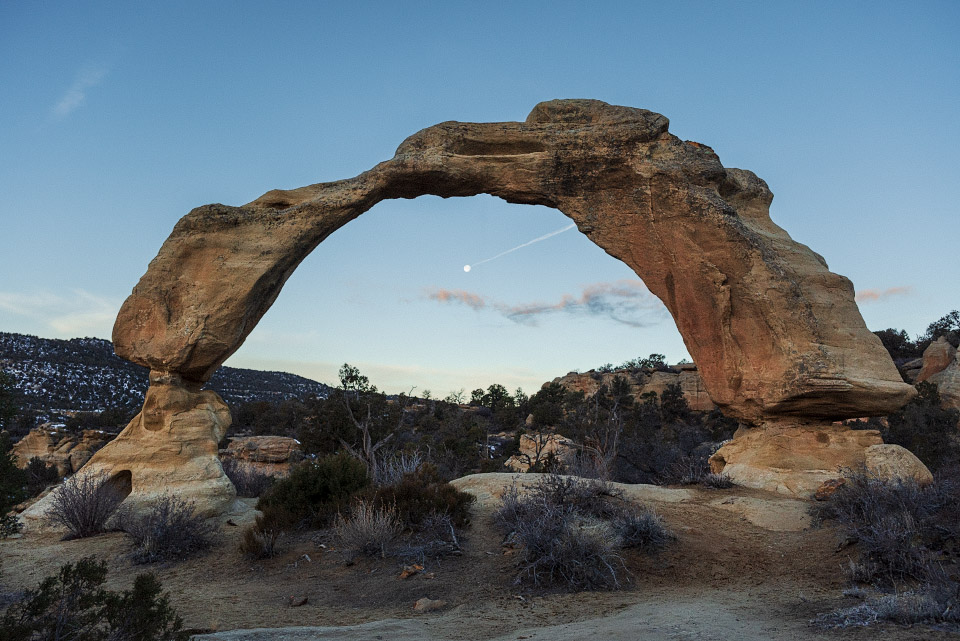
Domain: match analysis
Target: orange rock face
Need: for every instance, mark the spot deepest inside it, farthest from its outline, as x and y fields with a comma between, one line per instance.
x=66, y=452
x=644, y=382
x=938, y=356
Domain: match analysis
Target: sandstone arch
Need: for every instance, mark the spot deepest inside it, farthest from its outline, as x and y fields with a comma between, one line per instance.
x=774, y=333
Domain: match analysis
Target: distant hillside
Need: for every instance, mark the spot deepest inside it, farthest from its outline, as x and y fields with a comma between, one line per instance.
x=83, y=374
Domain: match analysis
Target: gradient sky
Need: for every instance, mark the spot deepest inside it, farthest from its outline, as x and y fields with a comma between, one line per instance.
x=118, y=118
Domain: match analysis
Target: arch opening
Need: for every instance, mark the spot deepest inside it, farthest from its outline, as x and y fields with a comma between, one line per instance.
x=406, y=313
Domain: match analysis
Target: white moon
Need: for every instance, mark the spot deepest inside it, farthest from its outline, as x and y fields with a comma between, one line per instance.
x=466, y=268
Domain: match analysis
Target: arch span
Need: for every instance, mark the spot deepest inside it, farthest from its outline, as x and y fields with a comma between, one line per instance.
x=772, y=330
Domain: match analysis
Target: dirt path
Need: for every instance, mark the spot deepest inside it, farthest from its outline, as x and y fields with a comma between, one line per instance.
x=744, y=566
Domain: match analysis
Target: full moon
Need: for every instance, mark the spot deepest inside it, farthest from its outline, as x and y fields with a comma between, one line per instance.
x=466, y=268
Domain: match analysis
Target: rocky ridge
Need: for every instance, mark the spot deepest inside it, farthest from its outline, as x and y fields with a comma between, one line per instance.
x=644, y=381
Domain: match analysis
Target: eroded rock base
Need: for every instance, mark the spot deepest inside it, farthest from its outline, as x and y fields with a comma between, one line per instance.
x=795, y=459
x=170, y=447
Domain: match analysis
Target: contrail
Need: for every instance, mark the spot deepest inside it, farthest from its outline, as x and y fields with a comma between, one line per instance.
x=466, y=268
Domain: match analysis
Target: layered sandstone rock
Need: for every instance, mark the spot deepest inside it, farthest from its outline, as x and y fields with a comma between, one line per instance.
x=798, y=459
x=644, y=382
x=772, y=330
x=170, y=447
x=58, y=448
x=271, y=455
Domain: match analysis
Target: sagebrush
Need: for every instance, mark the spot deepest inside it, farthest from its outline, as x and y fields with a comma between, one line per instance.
x=249, y=481
x=170, y=530
x=571, y=532
x=84, y=504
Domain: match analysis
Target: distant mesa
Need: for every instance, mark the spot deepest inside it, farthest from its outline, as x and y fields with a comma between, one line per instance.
x=774, y=333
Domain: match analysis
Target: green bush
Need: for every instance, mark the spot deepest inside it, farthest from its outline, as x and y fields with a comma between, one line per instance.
x=314, y=492
x=74, y=605
x=420, y=495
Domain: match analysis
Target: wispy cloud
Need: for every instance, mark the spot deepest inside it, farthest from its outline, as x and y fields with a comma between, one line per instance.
x=624, y=301
x=78, y=313
x=457, y=296
x=873, y=295
x=87, y=78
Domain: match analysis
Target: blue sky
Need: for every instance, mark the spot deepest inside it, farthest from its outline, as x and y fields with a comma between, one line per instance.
x=118, y=118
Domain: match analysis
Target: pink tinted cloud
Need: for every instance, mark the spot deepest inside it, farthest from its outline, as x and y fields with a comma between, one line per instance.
x=873, y=295
x=625, y=301
x=470, y=299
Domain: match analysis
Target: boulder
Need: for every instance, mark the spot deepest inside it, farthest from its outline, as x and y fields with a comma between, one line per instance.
x=893, y=461
x=948, y=384
x=271, y=455
x=797, y=459
x=939, y=355
x=690, y=383
x=911, y=369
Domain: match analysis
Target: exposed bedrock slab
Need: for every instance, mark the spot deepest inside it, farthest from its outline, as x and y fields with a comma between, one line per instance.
x=771, y=329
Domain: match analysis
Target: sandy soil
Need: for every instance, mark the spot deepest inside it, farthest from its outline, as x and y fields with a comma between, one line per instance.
x=745, y=565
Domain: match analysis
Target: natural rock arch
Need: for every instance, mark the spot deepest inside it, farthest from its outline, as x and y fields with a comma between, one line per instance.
x=774, y=333
x=771, y=329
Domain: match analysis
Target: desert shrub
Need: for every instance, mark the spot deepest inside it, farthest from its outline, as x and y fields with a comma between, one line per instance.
x=904, y=531
x=368, y=529
x=928, y=604
x=73, y=605
x=571, y=532
x=314, y=492
x=587, y=496
x=171, y=530
x=435, y=536
x=419, y=496
x=391, y=470
x=716, y=481
x=261, y=540
x=641, y=529
x=84, y=504
x=249, y=481
x=559, y=548
x=39, y=476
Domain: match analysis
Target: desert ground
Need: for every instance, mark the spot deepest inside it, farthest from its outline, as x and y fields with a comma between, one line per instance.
x=745, y=565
